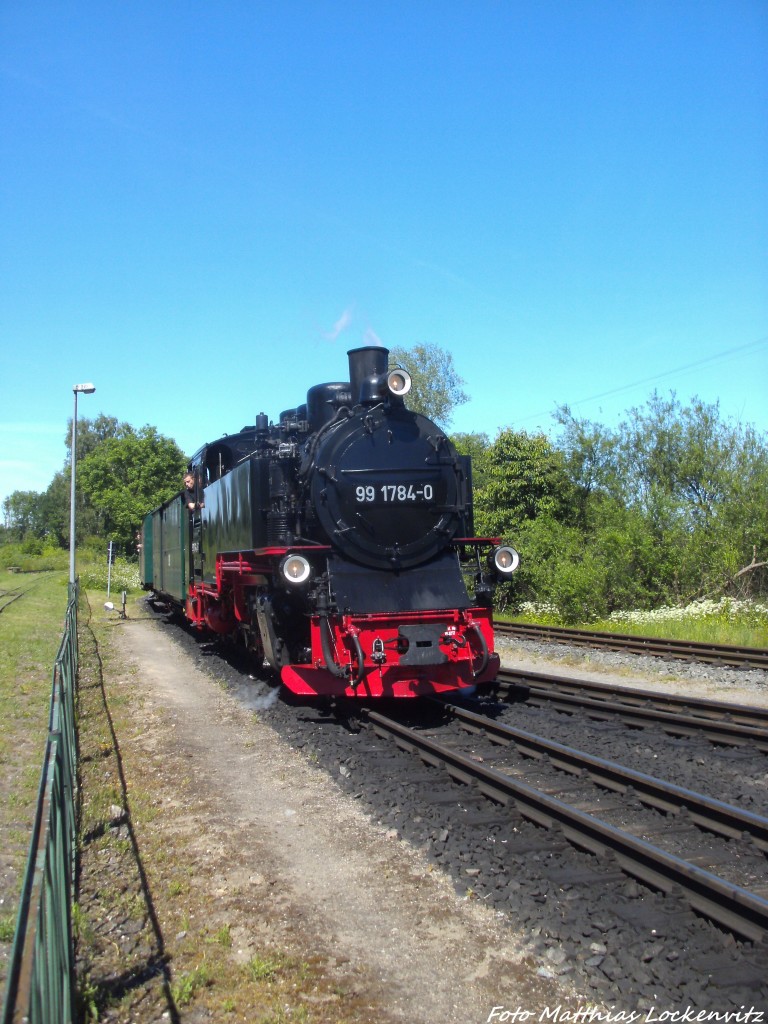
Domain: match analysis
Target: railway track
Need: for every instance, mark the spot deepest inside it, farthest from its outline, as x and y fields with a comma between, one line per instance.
x=730, y=724
x=714, y=815
x=7, y=597
x=732, y=905
x=684, y=927
x=683, y=650
x=715, y=710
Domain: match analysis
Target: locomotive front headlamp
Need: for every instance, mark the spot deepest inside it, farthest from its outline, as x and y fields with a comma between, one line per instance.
x=505, y=561
x=295, y=569
x=399, y=382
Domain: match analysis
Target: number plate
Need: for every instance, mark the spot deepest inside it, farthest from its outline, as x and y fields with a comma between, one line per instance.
x=394, y=494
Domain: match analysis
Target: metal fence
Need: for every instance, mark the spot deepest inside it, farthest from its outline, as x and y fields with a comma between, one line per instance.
x=41, y=969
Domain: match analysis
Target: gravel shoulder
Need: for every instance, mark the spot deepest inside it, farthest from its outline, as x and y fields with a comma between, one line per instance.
x=283, y=860
x=739, y=686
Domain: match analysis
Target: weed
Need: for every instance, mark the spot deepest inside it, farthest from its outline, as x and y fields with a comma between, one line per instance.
x=287, y=1015
x=264, y=968
x=78, y=920
x=87, y=996
x=7, y=927
x=189, y=983
x=223, y=937
x=727, y=621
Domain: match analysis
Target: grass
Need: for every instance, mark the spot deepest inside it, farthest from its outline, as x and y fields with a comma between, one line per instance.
x=30, y=633
x=145, y=910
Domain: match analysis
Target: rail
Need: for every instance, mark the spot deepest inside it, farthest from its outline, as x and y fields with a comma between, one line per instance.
x=676, y=720
x=39, y=986
x=730, y=905
x=714, y=815
x=683, y=650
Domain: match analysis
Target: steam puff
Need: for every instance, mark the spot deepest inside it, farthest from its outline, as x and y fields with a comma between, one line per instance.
x=341, y=324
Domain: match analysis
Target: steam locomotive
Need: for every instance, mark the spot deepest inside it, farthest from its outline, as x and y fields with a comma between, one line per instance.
x=337, y=544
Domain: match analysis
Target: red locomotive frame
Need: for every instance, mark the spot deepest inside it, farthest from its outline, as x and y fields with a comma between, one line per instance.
x=352, y=655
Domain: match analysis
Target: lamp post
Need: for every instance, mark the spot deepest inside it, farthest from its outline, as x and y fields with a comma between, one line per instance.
x=85, y=389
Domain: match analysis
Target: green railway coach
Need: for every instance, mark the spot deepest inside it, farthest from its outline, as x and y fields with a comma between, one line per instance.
x=165, y=547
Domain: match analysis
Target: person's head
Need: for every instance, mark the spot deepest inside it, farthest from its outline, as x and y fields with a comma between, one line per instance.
x=189, y=481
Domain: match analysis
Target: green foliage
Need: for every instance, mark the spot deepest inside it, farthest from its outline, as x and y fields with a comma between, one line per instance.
x=49, y=557
x=125, y=476
x=124, y=576
x=673, y=502
x=557, y=568
x=437, y=388
x=30, y=636
x=54, y=510
x=727, y=621
x=91, y=433
x=265, y=967
x=522, y=477
x=188, y=984
x=121, y=473
x=21, y=514
x=476, y=447
x=668, y=507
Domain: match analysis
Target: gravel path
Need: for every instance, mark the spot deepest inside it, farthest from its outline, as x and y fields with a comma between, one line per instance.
x=313, y=860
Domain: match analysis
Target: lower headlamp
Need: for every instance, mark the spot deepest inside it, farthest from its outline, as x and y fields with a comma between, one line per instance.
x=295, y=569
x=505, y=561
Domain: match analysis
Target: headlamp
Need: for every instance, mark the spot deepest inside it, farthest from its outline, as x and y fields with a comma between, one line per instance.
x=295, y=569
x=399, y=382
x=505, y=561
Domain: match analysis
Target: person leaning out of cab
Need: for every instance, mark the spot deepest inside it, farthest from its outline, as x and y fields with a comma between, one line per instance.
x=190, y=492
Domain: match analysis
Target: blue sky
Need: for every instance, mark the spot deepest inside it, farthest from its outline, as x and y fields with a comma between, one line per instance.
x=203, y=206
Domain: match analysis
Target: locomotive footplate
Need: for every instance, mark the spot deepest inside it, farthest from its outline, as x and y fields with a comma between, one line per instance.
x=379, y=656
x=422, y=643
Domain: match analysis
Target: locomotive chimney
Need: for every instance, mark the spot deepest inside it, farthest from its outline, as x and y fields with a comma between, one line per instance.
x=367, y=366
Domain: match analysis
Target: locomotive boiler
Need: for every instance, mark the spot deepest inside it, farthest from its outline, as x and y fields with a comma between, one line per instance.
x=337, y=544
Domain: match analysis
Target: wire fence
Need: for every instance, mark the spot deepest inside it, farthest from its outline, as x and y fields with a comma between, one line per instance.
x=40, y=977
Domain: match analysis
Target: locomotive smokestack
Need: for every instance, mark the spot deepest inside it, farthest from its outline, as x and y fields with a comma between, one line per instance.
x=367, y=366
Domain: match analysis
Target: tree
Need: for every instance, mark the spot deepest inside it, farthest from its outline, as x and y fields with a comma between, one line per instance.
x=21, y=513
x=686, y=491
x=90, y=434
x=124, y=477
x=55, y=510
x=525, y=477
x=437, y=387
x=476, y=446
x=591, y=461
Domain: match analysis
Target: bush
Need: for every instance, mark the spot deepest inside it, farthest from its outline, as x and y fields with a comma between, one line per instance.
x=557, y=570
x=578, y=589
x=42, y=556
x=125, y=576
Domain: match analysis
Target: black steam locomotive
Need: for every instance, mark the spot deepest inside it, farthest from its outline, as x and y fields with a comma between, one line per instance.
x=337, y=544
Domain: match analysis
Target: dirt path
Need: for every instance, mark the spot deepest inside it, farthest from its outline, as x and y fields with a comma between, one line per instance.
x=293, y=862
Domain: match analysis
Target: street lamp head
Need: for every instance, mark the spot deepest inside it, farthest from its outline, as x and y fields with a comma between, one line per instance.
x=85, y=389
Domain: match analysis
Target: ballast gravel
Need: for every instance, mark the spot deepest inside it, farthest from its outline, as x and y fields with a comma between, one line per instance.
x=577, y=922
